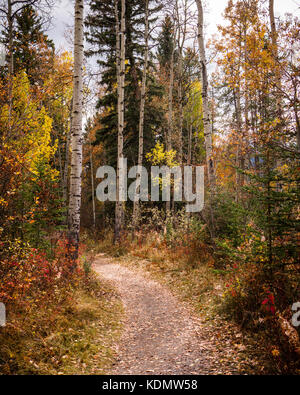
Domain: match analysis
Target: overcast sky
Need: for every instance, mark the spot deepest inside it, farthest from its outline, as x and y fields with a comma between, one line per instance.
x=64, y=10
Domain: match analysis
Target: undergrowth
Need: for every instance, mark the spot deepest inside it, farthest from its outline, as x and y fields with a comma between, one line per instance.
x=61, y=323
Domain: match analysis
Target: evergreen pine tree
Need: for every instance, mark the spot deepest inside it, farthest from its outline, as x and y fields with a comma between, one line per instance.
x=166, y=43
x=33, y=50
x=101, y=35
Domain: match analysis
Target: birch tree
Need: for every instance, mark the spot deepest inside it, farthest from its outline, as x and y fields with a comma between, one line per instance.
x=76, y=134
x=183, y=18
x=170, y=101
x=273, y=26
x=206, y=112
x=275, y=55
x=67, y=158
x=120, y=51
x=142, y=114
x=278, y=78
x=92, y=183
x=170, y=130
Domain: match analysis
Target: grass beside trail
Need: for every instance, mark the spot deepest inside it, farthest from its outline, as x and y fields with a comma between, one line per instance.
x=75, y=337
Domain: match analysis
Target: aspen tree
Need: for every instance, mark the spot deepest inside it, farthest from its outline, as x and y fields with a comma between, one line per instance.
x=206, y=113
x=142, y=109
x=76, y=134
x=92, y=184
x=120, y=45
x=182, y=22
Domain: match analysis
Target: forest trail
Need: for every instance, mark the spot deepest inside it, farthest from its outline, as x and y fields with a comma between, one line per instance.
x=160, y=335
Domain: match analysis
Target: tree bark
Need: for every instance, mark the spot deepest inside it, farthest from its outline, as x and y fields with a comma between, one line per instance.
x=239, y=145
x=273, y=24
x=182, y=32
x=170, y=116
x=206, y=113
x=10, y=38
x=275, y=56
x=76, y=136
x=136, y=205
x=11, y=57
x=120, y=45
x=92, y=184
x=170, y=105
x=67, y=158
x=297, y=127
x=190, y=140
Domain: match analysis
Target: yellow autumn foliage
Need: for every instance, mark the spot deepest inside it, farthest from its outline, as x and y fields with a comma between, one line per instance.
x=31, y=127
x=158, y=156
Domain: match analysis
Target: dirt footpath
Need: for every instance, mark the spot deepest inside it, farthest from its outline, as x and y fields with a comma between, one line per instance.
x=160, y=335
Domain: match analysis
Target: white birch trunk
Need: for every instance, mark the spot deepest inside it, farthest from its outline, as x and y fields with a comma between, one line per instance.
x=182, y=32
x=180, y=97
x=76, y=133
x=67, y=158
x=10, y=38
x=11, y=57
x=136, y=205
x=170, y=105
x=120, y=51
x=275, y=55
x=206, y=112
x=273, y=26
x=238, y=111
x=92, y=184
x=190, y=140
x=170, y=116
x=278, y=80
x=206, y=117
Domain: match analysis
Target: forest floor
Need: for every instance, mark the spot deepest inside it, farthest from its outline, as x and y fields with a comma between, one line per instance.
x=163, y=334
x=76, y=338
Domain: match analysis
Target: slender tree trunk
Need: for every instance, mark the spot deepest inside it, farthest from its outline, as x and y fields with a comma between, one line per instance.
x=10, y=38
x=120, y=44
x=297, y=127
x=180, y=97
x=206, y=113
x=238, y=112
x=92, y=185
x=76, y=135
x=189, y=162
x=170, y=105
x=245, y=135
x=170, y=116
x=66, y=173
x=60, y=166
x=67, y=158
x=278, y=81
x=275, y=56
x=182, y=31
x=273, y=25
x=10, y=57
x=190, y=140
x=136, y=205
